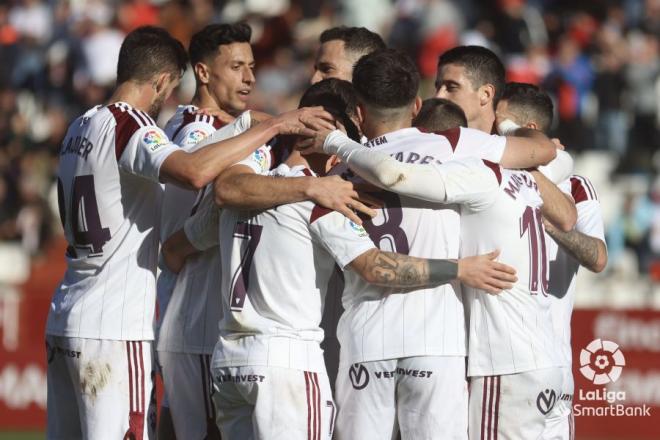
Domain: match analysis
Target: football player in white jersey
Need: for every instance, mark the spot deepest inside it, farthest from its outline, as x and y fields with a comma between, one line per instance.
x=473, y=78
x=527, y=106
x=393, y=340
x=100, y=324
x=222, y=62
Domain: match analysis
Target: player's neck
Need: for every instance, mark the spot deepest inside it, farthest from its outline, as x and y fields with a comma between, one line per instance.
x=138, y=96
x=374, y=128
x=203, y=99
x=484, y=123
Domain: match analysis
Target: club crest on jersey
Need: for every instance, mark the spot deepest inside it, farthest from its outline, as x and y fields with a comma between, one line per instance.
x=153, y=139
x=359, y=230
x=196, y=136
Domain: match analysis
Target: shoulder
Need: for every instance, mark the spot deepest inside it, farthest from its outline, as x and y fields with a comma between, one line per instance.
x=582, y=189
x=128, y=121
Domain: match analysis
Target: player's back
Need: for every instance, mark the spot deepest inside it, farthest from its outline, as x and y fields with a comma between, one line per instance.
x=109, y=198
x=276, y=265
x=380, y=323
x=510, y=332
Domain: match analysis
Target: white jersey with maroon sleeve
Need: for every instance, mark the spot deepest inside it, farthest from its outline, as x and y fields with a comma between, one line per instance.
x=190, y=324
x=109, y=198
x=380, y=323
x=564, y=268
x=276, y=265
x=511, y=332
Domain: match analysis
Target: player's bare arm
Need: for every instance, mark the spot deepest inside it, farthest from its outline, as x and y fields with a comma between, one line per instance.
x=240, y=187
x=402, y=271
x=528, y=149
x=176, y=249
x=590, y=252
x=195, y=170
x=558, y=208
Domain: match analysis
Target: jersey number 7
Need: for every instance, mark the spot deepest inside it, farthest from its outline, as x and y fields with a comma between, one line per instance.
x=85, y=220
x=250, y=234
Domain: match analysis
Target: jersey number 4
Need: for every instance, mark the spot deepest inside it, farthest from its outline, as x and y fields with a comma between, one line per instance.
x=240, y=280
x=532, y=223
x=85, y=221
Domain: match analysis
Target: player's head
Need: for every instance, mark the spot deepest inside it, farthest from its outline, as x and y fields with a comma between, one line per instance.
x=386, y=82
x=472, y=77
x=340, y=49
x=150, y=55
x=525, y=105
x=339, y=99
x=221, y=57
x=438, y=114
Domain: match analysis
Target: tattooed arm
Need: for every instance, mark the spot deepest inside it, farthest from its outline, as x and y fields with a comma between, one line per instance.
x=590, y=252
x=401, y=271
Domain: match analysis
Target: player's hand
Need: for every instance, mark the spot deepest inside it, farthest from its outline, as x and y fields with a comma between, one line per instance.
x=298, y=122
x=315, y=143
x=484, y=273
x=335, y=193
x=222, y=115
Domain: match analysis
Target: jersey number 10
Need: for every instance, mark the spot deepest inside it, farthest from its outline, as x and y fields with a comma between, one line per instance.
x=85, y=221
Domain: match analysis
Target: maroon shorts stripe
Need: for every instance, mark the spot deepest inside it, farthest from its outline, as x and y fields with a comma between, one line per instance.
x=309, y=407
x=491, y=392
x=318, y=405
x=130, y=376
x=484, y=396
x=497, y=405
x=136, y=376
x=143, y=392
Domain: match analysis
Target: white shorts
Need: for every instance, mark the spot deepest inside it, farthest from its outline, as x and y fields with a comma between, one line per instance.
x=513, y=406
x=99, y=389
x=561, y=424
x=426, y=397
x=271, y=403
x=188, y=385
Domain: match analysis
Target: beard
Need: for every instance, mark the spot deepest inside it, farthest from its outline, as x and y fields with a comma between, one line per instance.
x=156, y=106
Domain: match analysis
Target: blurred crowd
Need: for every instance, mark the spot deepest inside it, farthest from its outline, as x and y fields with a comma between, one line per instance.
x=599, y=59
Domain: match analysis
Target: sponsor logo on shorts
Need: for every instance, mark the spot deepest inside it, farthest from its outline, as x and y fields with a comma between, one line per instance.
x=545, y=401
x=601, y=362
x=239, y=378
x=154, y=140
x=359, y=376
x=52, y=351
x=403, y=372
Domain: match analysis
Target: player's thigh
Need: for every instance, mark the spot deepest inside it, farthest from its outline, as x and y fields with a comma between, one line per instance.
x=234, y=403
x=559, y=424
x=499, y=405
x=116, y=387
x=366, y=400
x=63, y=417
x=432, y=397
x=187, y=379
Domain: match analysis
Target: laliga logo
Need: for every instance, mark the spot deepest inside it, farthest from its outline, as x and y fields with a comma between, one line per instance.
x=602, y=362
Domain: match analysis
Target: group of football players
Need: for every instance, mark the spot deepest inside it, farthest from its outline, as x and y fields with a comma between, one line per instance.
x=430, y=247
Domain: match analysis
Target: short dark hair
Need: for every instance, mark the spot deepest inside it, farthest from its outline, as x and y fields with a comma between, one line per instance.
x=205, y=42
x=338, y=98
x=481, y=65
x=529, y=103
x=358, y=40
x=439, y=114
x=386, y=79
x=149, y=51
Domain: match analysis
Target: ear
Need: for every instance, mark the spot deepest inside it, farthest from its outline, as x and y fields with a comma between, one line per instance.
x=533, y=125
x=417, y=106
x=486, y=94
x=202, y=72
x=161, y=83
x=360, y=113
